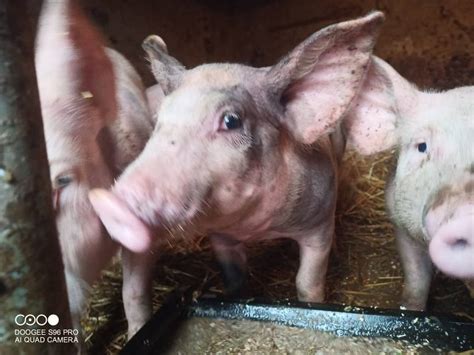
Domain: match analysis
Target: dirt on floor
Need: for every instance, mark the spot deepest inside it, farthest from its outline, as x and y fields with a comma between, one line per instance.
x=219, y=336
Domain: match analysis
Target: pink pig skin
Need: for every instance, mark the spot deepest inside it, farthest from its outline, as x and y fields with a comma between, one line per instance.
x=430, y=196
x=96, y=121
x=246, y=154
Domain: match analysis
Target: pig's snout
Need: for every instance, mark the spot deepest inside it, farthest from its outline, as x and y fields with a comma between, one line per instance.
x=452, y=240
x=164, y=202
x=121, y=223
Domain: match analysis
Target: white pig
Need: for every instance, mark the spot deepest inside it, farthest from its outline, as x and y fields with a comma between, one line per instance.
x=96, y=121
x=245, y=154
x=430, y=196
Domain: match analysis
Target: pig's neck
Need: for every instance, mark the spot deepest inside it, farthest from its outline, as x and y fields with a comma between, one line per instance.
x=284, y=197
x=246, y=206
x=310, y=194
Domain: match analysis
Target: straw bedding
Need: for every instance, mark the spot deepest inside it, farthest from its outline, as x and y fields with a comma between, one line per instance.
x=364, y=269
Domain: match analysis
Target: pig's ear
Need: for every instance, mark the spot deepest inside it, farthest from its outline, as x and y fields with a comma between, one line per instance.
x=123, y=226
x=166, y=69
x=385, y=97
x=70, y=57
x=317, y=81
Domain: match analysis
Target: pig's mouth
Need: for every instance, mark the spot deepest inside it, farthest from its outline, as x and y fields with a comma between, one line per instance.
x=157, y=211
x=132, y=217
x=121, y=223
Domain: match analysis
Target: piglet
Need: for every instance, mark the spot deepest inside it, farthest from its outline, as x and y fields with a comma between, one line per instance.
x=96, y=121
x=430, y=196
x=245, y=154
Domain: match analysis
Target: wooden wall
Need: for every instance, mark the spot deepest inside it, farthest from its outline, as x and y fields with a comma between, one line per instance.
x=430, y=42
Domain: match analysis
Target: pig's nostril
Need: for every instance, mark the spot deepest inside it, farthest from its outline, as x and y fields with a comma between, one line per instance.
x=459, y=243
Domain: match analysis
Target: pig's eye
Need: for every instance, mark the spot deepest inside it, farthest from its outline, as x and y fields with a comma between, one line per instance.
x=63, y=180
x=422, y=147
x=232, y=120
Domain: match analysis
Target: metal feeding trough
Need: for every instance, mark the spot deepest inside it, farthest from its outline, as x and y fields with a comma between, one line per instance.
x=442, y=332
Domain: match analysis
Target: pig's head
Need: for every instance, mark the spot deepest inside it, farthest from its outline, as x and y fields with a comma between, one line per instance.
x=431, y=195
x=223, y=130
x=76, y=166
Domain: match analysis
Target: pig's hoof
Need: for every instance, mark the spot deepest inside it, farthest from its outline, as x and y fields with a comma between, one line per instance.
x=132, y=331
x=234, y=279
x=413, y=306
x=316, y=296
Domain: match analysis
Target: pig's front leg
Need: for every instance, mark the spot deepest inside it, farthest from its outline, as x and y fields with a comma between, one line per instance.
x=233, y=262
x=314, y=257
x=78, y=291
x=417, y=270
x=137, y=287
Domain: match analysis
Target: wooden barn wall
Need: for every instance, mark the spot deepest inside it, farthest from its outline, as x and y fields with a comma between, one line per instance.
x=429, y=41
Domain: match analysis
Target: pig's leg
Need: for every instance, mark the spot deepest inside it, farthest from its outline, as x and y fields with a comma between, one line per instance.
x=417, y=270
x=77, y=293
x=233, y=261
x=137, y=287
x=314, y=257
